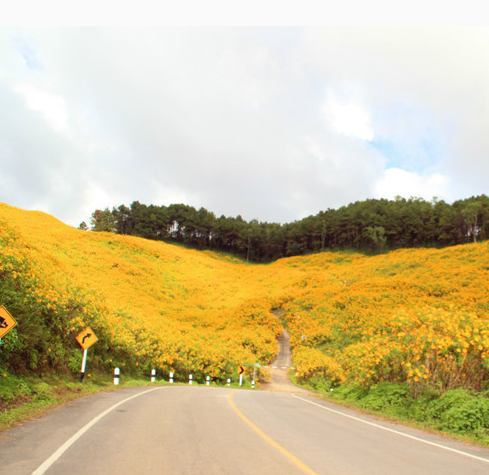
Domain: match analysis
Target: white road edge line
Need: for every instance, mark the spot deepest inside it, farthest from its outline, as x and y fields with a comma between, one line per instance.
x=56, y=455
x=378, y=426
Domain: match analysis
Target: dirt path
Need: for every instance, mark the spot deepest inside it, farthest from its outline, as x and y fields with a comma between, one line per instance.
x=279, y=369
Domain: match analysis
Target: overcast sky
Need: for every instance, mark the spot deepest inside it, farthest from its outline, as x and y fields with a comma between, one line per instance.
x=273, y=124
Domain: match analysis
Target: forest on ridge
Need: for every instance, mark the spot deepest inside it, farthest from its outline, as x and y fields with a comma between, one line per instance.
x=369, y=226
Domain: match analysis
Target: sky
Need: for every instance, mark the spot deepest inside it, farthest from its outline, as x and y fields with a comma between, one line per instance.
x=270, y=123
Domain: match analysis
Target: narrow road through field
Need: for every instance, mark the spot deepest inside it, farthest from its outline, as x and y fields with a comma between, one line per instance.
x=279, y=369
x=187, y=430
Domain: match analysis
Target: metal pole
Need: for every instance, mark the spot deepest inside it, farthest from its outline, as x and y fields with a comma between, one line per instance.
x=83, y=366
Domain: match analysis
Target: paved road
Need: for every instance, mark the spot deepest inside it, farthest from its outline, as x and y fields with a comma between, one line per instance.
x=191, y=430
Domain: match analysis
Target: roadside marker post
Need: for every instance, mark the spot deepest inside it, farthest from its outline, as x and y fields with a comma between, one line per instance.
x=207, y=380
x=229, y=382
x=190, y=379
x=171, y=377
x=153, y=375
x=117, y=373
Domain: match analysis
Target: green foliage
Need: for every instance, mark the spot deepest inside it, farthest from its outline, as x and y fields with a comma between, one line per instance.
x=456, y=411
x=388, y=398
x=461, y=411
x=12, y=388
x=470, y=416
x=447, y=401
x=102, y=220
x=43, y=391
x=320, y=384
x=350, y=392
x=367, y=226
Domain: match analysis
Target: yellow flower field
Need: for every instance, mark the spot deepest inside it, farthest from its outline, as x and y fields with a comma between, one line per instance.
x=418, y=316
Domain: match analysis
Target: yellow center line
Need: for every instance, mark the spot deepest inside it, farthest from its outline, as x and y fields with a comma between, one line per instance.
x=274, y=444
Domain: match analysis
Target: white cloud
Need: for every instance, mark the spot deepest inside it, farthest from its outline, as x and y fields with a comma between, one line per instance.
x=52, y=107
x=348, y=117
x=397, y=182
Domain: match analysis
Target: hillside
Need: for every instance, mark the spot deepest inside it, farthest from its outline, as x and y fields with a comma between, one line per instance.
x=416, y=318
x=150, y=303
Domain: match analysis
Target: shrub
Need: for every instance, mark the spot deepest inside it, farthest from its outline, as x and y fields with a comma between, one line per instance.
x=448, y=400
x=350, y=392
x=388, y=398
x=469, y=417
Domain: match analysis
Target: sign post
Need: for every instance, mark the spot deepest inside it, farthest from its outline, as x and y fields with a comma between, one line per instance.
x=7, y=322
x=84, y=364
x=86, y=339
x=241, y=371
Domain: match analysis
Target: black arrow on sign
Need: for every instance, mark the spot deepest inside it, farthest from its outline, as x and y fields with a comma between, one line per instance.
x=88, y=335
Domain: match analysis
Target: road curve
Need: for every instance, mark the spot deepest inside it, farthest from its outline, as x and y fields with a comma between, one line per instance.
x=200, y=430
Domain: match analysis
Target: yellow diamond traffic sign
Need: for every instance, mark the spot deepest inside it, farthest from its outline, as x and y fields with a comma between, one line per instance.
x=86, y=338
x=7, y=322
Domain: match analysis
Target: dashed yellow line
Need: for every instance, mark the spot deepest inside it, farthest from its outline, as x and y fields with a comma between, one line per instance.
x=284, y=452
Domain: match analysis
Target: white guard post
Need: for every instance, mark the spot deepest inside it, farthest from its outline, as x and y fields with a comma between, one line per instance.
x=241, y=380
x=208, y=380
x=229, y=382
x=190, y=379
x=117, y=373
x=153, y=375
x=171, y=378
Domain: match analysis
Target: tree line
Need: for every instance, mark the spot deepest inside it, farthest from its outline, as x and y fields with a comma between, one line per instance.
x=371, y=226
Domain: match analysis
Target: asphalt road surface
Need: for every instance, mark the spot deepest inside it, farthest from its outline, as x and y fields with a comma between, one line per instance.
x=186, y=430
